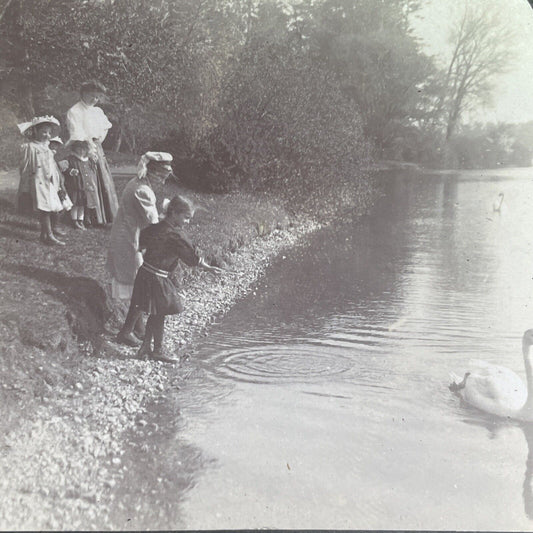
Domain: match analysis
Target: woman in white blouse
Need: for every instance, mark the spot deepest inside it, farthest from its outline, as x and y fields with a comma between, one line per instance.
x=86, y=122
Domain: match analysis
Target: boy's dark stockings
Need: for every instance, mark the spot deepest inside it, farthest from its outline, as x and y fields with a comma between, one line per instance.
x=158, y=326
x=146, y=346
x=46, y=227
x=125, y=335
x=155, y=327
x=139, y=328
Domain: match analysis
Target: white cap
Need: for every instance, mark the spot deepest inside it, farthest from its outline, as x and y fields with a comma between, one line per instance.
x=160, y=157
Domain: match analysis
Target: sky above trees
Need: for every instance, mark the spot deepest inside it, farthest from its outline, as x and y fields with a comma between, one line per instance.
x=513, y=96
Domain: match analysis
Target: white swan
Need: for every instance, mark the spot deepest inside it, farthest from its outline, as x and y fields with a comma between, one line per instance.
x=497, y=205
x=498, y=390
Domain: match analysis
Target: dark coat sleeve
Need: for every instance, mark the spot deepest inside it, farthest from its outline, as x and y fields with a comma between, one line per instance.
x=186, y=251
x=144, y=237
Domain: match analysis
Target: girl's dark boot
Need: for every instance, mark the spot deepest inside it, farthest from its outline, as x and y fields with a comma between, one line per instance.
x=46, y=230
x=56, y=230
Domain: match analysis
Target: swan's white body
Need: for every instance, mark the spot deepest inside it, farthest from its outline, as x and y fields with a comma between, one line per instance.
x=498, y=390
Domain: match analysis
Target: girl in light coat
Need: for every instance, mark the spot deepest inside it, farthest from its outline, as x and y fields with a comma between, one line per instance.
x=40, y=179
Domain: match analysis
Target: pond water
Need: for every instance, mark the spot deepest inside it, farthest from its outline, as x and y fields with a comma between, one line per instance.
x=321, y=399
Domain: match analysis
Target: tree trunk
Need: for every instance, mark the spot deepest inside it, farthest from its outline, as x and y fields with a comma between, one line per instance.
x=118, y=141
x=27, y=90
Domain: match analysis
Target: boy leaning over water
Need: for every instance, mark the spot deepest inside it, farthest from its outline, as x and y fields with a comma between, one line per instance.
x=163, y=245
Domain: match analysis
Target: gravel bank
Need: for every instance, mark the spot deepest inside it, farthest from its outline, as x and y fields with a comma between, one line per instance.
x=60, y=469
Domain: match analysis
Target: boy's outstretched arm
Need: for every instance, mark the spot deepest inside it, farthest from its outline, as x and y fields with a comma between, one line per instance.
x=210, y=268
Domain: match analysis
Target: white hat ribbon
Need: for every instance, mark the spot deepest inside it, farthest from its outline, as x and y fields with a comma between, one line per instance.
x=24, y=127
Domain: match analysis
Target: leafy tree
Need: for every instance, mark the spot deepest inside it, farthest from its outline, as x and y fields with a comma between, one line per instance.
x=230, y=84
x=283, y=122
x=378, y=61
x=159, y=59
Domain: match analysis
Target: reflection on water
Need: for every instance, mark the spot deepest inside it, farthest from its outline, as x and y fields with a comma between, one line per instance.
x=528, y=478
x=509, y=430
x=322, y=399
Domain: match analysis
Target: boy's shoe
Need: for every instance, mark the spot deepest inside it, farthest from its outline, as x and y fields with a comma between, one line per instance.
x=159, y=356
x=79, y=225
x=56, y=241
x=144, y=352
x=129, y=339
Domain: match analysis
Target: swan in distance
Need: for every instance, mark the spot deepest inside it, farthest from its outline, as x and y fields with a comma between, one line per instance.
x=497, y=390
x=497, y=206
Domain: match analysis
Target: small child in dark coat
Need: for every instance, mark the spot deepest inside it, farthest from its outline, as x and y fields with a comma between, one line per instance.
x=81, y=183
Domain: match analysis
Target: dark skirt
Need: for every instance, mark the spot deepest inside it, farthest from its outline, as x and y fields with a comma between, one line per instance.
x=155, y=295
x=104, y=213
x=74, y=187
x=107, y=196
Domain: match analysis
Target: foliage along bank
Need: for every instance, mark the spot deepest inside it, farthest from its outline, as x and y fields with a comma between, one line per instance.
x=293, y=97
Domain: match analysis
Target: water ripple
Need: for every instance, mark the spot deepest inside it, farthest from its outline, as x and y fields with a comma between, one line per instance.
x=277, y=363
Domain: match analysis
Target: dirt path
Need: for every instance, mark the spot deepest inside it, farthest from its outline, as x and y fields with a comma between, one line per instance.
x=9, y=179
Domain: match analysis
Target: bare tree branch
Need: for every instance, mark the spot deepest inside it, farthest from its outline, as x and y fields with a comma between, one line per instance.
x=480, y=51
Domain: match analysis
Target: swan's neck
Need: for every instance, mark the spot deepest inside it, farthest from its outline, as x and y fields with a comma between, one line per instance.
x=526, y=349
x=501, y=202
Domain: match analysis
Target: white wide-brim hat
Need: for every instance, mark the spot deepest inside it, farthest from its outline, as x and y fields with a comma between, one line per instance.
x=25, y=127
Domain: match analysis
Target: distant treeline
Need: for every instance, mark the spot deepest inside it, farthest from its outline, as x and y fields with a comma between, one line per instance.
x=268, y=94
x=493, y=145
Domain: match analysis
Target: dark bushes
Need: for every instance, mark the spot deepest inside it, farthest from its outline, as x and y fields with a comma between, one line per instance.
x=283, y=126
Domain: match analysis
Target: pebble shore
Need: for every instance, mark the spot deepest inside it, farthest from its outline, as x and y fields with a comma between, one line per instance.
x=60, y=469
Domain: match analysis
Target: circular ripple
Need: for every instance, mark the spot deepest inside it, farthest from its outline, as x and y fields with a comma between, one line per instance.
x=281, y=364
